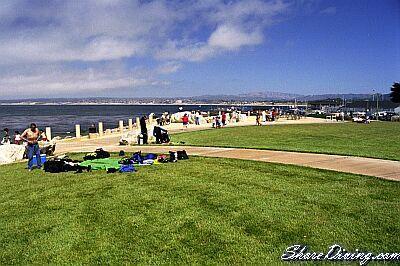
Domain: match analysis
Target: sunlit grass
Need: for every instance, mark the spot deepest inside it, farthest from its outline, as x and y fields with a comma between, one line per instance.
x=203, y=210
x=377, y=140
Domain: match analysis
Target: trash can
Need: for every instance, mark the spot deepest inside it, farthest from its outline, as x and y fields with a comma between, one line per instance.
x=140, y=139
x=42, y=159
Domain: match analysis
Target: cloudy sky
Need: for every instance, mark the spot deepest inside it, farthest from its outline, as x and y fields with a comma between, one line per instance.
x=178, y=48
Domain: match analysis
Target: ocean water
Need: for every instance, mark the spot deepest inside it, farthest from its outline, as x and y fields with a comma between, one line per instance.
x=63, y=118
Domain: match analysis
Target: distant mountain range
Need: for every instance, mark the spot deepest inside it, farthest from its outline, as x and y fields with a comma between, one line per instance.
x=254, y=96
x=281, y=96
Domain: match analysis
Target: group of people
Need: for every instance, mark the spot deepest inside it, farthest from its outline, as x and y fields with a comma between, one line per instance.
x=164, y=119
x=17, y=138
x=160, y=134
x=7, y=139
x=31, y=137
x=264, y=116
x=219, y=121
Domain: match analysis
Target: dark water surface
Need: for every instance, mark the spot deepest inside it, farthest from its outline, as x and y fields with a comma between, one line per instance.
x=63, y=118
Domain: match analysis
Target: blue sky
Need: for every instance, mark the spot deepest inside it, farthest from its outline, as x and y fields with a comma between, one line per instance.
x=123, y=48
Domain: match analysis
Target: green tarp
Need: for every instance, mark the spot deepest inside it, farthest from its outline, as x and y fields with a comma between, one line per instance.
x=102, y=164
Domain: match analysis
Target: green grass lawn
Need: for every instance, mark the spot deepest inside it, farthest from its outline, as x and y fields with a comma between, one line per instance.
x=202, y=210
x=376, y=140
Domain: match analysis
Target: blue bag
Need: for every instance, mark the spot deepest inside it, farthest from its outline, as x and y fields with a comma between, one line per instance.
x=150, y=156
x=137, y=158
x=127, y=168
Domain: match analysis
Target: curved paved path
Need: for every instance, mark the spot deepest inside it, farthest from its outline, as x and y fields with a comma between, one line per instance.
x=357, y=165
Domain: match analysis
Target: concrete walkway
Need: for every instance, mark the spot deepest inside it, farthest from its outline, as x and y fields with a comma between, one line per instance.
x=356, y=165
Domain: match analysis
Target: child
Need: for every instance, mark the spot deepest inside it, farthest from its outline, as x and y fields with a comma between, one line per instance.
x=17, y=138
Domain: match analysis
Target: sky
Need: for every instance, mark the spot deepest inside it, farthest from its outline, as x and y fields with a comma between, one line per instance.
x=165, y=48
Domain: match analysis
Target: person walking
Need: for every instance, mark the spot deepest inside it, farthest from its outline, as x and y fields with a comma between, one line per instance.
x=185, y=120
x=32, y=136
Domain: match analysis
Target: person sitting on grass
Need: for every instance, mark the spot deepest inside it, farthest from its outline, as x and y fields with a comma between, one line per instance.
x=32, y=136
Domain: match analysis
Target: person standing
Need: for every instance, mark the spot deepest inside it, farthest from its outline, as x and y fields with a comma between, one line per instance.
x=223, y=119
x=32, y=135
x=273, y=114
x=197, y=118
x=6, y=139
x=17, y=138
x=258, y=119
x=143, y=129
x=264, y=116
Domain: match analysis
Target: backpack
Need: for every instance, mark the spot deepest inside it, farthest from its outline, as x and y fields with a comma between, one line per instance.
x=98, y=154
x=90, y=156
x=182, y=155
x=173, y=156
x=102, y=154
x=162, y=158
x=111, y=170
x=121, y=153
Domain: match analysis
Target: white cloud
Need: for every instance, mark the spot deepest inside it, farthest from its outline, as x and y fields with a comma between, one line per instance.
x=236, y=24
x=169, y=67
x=61, y=33
x=231, y=37
x=61, y=80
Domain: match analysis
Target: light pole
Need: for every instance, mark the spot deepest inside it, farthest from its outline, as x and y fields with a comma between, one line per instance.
x=377, y=106
x=377, y=103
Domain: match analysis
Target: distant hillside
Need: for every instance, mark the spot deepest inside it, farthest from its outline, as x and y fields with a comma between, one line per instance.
x=254, y=96
x=280, y=96
x=349, y=96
